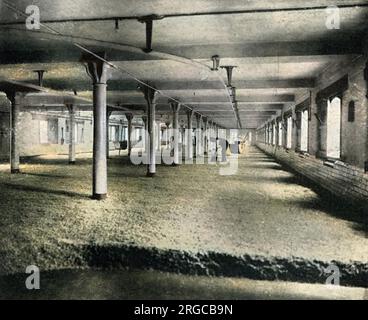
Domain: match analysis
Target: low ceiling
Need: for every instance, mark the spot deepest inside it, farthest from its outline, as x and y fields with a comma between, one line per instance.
x=278, y=49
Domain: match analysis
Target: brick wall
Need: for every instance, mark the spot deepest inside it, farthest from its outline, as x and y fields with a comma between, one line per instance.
x=339, y=178
x=346, y=177
x=354, y=135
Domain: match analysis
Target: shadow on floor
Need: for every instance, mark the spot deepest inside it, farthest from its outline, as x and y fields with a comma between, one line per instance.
x=43, y=161
x=25, y=188
x=153, y=285
x=45, y=175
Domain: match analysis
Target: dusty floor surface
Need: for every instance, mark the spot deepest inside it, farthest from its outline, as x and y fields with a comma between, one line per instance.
x=262, y=210
x=153, y=285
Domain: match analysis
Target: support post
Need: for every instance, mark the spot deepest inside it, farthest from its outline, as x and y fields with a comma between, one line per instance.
x=175, y=107
x=182, y=137
x=189, y=154
x=198, y=139
x=205, y=135
x=97, y=70
x=150, y=95
x=72, y=134
x=167, y=137
x=145, y=136
x=216, y=138
x=15, y=100
x=108, y=115
x=129, y=117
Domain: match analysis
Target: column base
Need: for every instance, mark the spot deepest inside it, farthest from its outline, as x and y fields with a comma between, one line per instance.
x=15, y=171
x=71, y=162
x=150, y=174
x=99, y=197
x=175, y=164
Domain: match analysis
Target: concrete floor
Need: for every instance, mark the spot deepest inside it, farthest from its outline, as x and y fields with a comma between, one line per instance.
x=153, y=285
x=264, y=216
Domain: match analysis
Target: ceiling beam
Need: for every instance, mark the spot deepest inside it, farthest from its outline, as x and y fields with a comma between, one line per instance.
x=131, y=85
x=270, y=49
x=43, y=52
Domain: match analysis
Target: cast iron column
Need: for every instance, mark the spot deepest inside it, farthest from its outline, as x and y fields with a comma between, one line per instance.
x=129, y=117
x=97, y=70
x=145, y=137
x=198, y=140
x=205, y=136
x=189, y=154
x=15, y=100
x=150, y=95
x=72, y=141
x=175, y=107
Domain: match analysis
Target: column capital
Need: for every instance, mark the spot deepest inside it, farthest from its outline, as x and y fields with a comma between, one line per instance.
x=150, y=93
x=130, y=116
x=109, y=112
x=70, y=107
x=198, y=116
x=14, y=96
x=174, y=105
x=229, y=73
x=95, y=67
x=190, y=113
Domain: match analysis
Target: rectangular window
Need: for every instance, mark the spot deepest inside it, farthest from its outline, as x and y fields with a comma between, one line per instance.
x=351, y=111
x=49, y=131
x=280, y=133
x=53, y=131
x=304, y=131
x=80, y=133
x=125, y=133
x=333, y=128
x=43, y=132
x=289, y=132
x=269, y=134
x=111, y=133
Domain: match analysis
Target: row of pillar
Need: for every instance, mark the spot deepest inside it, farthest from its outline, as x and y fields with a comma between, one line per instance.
x=98, y=72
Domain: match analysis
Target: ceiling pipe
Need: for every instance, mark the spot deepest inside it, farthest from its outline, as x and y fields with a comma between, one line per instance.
x=194, y=14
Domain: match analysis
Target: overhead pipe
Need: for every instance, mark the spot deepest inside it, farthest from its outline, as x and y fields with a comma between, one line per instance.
x=196, y=14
